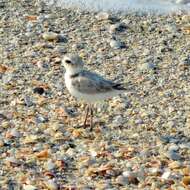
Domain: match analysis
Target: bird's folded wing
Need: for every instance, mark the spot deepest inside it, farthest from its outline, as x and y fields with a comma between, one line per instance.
x=91, y=83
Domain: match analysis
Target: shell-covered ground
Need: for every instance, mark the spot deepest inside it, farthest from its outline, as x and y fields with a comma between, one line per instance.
x=140, y=140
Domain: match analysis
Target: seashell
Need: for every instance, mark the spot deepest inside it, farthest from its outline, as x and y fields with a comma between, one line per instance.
x=76, y=133
x=186, y=182
x=5, y=124
x=166, y=175
x=186, y=29
x=154, y=171
x=175, y=165
x=93, y=152
x=49, y=174
x=31, y=18
x=60, y=164
x=186, y=18
x=29, y=187
x=186, y=171
x=3, y=69
x=126, y=21
x=43, y=154
x=57, y=60
x=30, y=139
x=51, y=185
x=12, y=160
x=1, y=143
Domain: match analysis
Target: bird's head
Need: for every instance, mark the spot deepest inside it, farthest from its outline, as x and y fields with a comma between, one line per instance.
x=72, y=63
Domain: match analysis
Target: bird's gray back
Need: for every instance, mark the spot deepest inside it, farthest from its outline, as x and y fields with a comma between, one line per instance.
x=91, y=83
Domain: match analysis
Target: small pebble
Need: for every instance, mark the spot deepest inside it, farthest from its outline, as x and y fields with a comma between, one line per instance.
x=186, y=61
x=119, y=27
x=147, y=67
x=12, y=160
x=38, y=90
x=15, y=133
x=173, y=147
x=115, y=44
x=41, y=119
x=50, y=36
x=102, y=16
x=166, y=175
x=118, y=120
x=154, y=171
x=122, y=180
x=60, y=49
x=7, y=78
x=49, y=165
x=186, y=18
x=51, y=185
x=28, y=101
x=128, y=174
x=62, y=38
x=174, y=155
x=185, y=146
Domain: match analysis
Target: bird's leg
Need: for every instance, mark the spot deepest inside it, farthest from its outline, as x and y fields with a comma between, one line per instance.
x=86, y=116
x=91, y=118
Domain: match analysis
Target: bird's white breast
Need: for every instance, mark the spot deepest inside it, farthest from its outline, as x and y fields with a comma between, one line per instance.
x=70, y=87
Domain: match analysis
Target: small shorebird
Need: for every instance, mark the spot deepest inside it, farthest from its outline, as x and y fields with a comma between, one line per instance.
x=87, y=86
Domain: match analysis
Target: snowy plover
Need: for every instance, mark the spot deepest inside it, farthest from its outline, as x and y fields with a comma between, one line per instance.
x=86, y=85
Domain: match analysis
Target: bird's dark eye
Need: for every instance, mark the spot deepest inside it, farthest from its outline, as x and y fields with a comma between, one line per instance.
x=67, y=61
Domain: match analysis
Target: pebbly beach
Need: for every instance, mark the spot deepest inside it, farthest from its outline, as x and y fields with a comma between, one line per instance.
x=141, y=139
